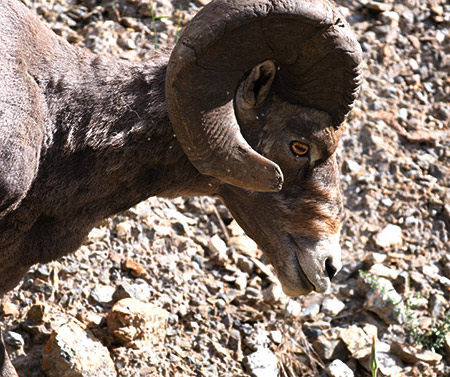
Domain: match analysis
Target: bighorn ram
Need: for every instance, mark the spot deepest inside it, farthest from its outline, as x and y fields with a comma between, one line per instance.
x=248, y=108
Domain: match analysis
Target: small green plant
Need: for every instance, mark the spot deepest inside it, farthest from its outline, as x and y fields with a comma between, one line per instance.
x=373, y=363
x=154, y=19
x=433, y=338
x=157, y=18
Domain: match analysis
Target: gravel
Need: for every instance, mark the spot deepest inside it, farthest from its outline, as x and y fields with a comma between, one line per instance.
x=188, y=258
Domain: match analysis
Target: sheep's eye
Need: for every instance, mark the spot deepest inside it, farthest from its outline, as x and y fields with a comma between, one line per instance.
x=299, y=149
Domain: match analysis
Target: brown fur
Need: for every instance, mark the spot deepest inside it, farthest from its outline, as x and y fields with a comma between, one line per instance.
x=83, y=137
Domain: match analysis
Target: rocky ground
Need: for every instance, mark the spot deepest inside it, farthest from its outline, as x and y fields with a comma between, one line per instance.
x=174, y=287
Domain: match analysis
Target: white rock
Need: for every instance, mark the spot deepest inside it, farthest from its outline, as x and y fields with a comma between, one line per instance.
x=97, y=234
x=338, y=369
x=390, y=17
x=387, y=202
x=103, y=294
x=262, y=363
x=244, y=245
x=241, y=281
x=74, y=351
x=273, y=293
x=390, y=236
x=123, y=229
x=292, y=308
x=276, y=336
x=311, y=311
x=13, y=338
x=383, y=271
x=332, y=306
x=403, y=113
x=217, y=245
x=353, y=166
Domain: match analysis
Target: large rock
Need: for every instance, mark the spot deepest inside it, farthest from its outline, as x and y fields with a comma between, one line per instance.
x=390, y=236
x=411, y=354
x=339, y=369
x=137, y=324
x=384, y=301
x=72, y=351
x=357, y=341
x=262, y=363
x=332, y=306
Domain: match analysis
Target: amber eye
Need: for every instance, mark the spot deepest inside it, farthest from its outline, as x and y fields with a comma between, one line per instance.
x=299, y=148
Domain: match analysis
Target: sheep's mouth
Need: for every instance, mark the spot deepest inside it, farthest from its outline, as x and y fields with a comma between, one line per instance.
x=312, y=265
x=301, y=274
x=294, y=281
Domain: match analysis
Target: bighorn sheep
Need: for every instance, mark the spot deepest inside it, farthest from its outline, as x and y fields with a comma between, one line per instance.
x=248, y=108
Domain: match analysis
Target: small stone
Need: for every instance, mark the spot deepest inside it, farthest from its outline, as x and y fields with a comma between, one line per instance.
x=262, y=363
x=245, y=264
x=90, y=319
x=379, y=6
x=373, y=258
x=137, y=324
x=383, y=271
x=123, y=229
x=74, y=351
x=387, y=202
x=330, y=348
x=127, y=43
x=447, y=347
x=135, y=268
x=310, y=312
x=217, y=245
x=97, y=234
x=13, y=338
x=293, y=308
x=241, y=281
x=252, y=292
x=257, y=339
x=352, y=166
x=244, y=245
x=234, y=342
x=273, y=293
x=8, y=308
x=103, y=294
x=219, y=350
x=140, y=291
x=413, y=64
x=390, y=236
x=332, y=306
x=194, y=325
x=390, y=17
x=436, y=305
x=264, y=270
x=431, y=270
x=339, y=369
x=401, y=283
x=276, y=336
x=37, y=313
x=221, y=304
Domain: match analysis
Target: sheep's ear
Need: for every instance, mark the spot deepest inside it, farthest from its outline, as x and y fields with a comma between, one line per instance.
x=257, y=85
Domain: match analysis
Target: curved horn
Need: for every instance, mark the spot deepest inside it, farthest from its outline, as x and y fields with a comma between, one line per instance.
x=318, y=59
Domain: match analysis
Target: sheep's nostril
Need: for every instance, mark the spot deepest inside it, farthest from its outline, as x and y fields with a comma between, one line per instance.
x=329, y=268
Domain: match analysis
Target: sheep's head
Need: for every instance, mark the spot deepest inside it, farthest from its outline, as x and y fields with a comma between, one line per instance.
x=256, y=92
